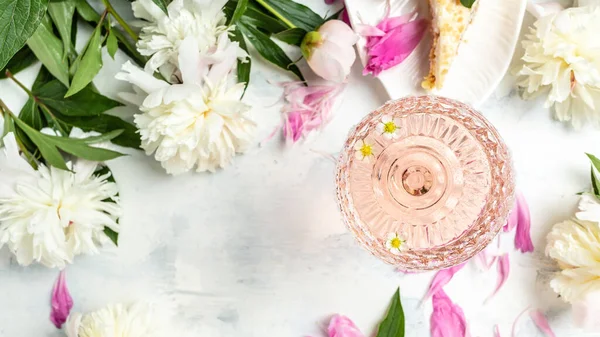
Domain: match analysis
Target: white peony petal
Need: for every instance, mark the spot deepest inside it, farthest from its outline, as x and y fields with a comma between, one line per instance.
x=139, y=78
x=189, y=61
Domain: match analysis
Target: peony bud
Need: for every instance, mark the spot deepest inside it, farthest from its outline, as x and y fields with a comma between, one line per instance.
x=329, y=50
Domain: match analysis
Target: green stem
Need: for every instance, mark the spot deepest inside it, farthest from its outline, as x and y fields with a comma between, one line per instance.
x=14, y=79
x=35, y=99
x=120, y=20
x=276, y=13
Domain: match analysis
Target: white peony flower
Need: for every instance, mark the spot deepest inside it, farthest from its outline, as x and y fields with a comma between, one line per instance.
x=575, y=245
x=562, y=60
x=589, y=208
x=201, y=122
x=117, y=320
x=162, y=35
x=50, y=215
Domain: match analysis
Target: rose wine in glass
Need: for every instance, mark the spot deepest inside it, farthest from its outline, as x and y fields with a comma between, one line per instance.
x=425, y=182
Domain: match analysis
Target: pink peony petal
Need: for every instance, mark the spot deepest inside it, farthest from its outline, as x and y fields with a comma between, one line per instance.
x=442, y=278
x=389, y=24
x=393, y=48
x=523, y=235
x=345, y=17
x=447, y=319
x=342, y=326
x=485, y=259
x=61, y=301
x=368, y=30
x=542, y=323
x=503, y=271
x=307, y=108
x=513, y=219
x=496, y=331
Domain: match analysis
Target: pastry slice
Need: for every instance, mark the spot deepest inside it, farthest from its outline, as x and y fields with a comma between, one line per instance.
x=450, y=21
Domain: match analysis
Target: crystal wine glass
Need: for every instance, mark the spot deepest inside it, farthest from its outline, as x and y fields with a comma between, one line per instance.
x=425, y=182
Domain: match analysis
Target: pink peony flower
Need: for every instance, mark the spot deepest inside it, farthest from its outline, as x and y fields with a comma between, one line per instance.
x=391, y=41
x=329, y=51
x=307, y=108
x=342, y=326
x=61, y=301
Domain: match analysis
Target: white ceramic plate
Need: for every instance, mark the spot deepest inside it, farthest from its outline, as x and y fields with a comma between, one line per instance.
x=483, y=57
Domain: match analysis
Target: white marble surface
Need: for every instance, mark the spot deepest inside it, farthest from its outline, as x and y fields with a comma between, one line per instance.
x=259, y=249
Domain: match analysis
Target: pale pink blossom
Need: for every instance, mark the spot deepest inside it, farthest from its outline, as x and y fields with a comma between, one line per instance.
x=391, y=41
x=442, y=278
x=329, y=51
x=342, y=326
x=307, y=108
x=61, y=301
x=497, y=331
x=447, y=319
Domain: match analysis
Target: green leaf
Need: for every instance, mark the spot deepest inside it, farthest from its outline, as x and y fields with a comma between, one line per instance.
x=49, y=50
x=62, y=15
x=31, y=115
x=82, y=150
x=22, y=59
x=269, y=49
x=8, y=125
x=89, y=66
x=256, y=18
x=240, y=9
x=19, y=19
x=243, y=68
x=467, y=3
x=393, y=323
x=86, y=11
x=112, y=235
x=48, y=150
x=87, y=102
x=42, y=78
x=106, y=123
x=299, y=15
x=162, y=4
x=102, y=138
x=112, y=44
x=595, y=183
x=595, y=161
x=292, y=36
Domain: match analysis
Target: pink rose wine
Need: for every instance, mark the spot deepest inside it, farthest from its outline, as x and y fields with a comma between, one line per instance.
x=425, y=182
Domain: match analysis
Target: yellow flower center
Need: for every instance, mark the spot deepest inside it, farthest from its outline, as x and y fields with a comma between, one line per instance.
x=389, y=127
x=366, y=150
x=396, y=243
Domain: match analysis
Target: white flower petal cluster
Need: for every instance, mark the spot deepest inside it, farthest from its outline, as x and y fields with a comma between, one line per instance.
x=162, y=34
x=562, y=60
x=196, y=118
x=199, y=123
x=49, y=215
x=575, y=245
x=117, y=320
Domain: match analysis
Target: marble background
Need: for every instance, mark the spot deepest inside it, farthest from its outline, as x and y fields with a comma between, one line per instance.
x=259, y=249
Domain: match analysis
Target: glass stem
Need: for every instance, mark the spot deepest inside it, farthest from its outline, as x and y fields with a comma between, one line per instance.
x=276, y=13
